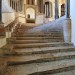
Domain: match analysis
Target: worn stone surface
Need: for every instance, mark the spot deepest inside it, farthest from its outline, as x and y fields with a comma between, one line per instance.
x=41, y=67
x=34, y=54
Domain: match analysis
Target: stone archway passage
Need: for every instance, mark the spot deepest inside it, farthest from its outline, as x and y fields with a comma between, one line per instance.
x=30, y=15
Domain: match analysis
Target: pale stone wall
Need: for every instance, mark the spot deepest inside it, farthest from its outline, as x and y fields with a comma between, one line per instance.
x=8, y=15
x=21, y=18
x=72, y=11
x=40, y=19
x=2, y=42
x=7, y=18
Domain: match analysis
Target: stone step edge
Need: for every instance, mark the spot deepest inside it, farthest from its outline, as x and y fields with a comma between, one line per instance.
x=43, y=51
x=55, y=71
x=54, y=44
x=42, y=59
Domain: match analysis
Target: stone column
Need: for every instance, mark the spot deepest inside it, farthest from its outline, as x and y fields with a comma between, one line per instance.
x=67, y=23
x=56, y=10
x=0, y=11
x=19, y=6
x=67, y=9
x=2, y=29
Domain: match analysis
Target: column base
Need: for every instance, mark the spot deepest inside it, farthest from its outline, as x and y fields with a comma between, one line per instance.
x=2, y=29
x=67, y=30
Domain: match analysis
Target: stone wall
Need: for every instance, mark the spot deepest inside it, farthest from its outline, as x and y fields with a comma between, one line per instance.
x=72, y=12
x=7, y=18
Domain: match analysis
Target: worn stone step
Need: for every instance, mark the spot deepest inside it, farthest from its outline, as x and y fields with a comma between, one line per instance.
x=69, y=72
x=45, y=68
x=37, y=38
x=22, y=40
x=57, y=67
x=40, y=34
x=31, y=51
x=35, y=45
x=39, y=58
x=34, y=41
x=50, y=34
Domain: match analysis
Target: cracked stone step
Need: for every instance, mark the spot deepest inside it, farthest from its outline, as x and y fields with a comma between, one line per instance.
x=34, y=38
x=57, y=67
x=34, y=41
x=34, y=45
x=70, y=72
x=38, y=38
x=40, y=35
x=45, y=68
x=39, y=58
x=31, y=51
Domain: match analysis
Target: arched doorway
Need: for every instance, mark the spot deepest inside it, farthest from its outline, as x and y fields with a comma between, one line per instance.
x=30, y=15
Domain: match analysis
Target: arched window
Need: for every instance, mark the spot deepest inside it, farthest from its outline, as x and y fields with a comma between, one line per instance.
x=62, y=9
x=48, y=9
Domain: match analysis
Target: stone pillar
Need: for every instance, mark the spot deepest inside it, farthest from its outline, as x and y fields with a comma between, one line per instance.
x=67, y=9
x=67, y=30
x=2, y=29
x=0, y=11
x=56, y=10
x=67, y=23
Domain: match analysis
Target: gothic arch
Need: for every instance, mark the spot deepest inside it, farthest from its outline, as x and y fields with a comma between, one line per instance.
x=31, y=12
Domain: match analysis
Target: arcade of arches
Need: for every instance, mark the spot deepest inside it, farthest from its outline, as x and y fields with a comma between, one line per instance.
x=44, y=9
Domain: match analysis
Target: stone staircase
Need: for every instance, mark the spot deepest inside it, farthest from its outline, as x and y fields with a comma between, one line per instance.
x=39, y=53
